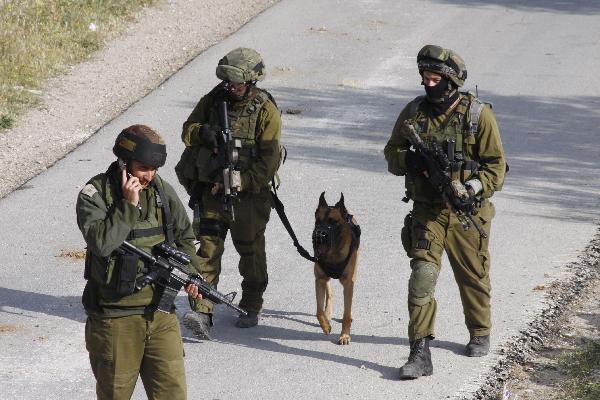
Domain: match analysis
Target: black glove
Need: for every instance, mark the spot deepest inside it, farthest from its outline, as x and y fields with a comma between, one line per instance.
x=414, y=163
x=460, y=198
x=466, y=206
x=215, y=166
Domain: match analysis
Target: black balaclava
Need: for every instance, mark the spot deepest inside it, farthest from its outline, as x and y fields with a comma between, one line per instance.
x=441, y=96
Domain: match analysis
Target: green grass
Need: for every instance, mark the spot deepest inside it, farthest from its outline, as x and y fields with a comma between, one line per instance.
x=39, y=38
x=583, y=368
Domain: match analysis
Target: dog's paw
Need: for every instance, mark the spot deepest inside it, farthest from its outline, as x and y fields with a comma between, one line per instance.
x=326, y=328
x=344, y=339
x=325, y=325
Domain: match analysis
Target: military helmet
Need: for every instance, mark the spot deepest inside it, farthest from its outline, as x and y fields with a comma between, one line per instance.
x=442, y=61
x=241, y=65
x=141, y=143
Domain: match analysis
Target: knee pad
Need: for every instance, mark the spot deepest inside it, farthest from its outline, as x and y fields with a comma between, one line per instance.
x=421, y=285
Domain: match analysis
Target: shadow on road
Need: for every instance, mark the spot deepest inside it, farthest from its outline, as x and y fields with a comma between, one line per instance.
x=268, y=338
x=69, y=307
x=551, y=144
x=59, y=306
x=583, y=7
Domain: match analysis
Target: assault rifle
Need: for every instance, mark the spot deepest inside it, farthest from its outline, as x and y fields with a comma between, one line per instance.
x=437, y=165
x=168, y=271
x=232, y=179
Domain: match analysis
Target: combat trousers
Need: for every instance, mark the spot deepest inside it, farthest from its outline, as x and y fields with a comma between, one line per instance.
x=435, y=229
x=122, y=348
x=252, y=213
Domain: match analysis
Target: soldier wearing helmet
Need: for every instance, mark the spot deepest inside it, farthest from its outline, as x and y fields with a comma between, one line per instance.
x=255, y=121
x=130, y=201
x=465, y=130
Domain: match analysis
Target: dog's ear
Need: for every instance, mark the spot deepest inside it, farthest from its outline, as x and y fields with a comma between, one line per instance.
x=340, y=205
x=322, y=201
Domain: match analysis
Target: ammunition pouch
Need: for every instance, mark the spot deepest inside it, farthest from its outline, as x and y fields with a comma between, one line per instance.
x=463, y=170
x=247, y=154
x=126, y=266
x=197, y=206
x=405, y=233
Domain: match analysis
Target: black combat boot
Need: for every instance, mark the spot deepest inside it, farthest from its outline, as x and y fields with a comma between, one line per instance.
x=247, y=321
x=419, y=360
x=199, y=323
x=478, y=346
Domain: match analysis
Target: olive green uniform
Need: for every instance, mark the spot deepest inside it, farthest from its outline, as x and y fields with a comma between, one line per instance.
x=434, y=228
x=256, y=121
x=125, y=337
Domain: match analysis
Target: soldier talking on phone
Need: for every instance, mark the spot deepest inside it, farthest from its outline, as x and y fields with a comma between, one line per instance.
x=125, y=335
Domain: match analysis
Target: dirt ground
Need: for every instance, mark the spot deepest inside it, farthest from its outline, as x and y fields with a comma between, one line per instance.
x=543, y=376
x=79, y=102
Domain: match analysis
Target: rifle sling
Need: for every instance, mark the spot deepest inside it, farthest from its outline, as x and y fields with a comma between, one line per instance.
x=168, y=222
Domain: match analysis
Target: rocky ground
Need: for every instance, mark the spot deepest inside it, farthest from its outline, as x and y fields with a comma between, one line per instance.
x=543, y=376
x=165, y=38
x=534, y=367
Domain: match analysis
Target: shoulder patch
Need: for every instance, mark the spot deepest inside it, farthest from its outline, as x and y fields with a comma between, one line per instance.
x=89, y=190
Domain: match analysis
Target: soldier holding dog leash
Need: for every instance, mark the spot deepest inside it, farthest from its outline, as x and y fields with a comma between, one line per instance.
x=232, y=154
x=447, y=146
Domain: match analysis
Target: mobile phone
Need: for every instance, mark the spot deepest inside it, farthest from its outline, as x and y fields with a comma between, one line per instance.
x=123, y=166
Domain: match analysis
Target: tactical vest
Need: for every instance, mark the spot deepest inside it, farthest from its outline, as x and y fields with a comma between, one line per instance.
x=243, y=120
x=457, y=136
x=195, y=165
x=103, y=272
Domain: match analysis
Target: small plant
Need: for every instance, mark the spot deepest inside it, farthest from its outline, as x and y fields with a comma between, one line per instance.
x=6, y=121
x=583, y=367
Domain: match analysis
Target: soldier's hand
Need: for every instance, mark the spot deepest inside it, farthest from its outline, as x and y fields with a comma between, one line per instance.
x=192, y=290
x=405, y=129
x=461, y=198
x=130, y=187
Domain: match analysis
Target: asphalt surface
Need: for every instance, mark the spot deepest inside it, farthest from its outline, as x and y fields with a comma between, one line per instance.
x=346, y=68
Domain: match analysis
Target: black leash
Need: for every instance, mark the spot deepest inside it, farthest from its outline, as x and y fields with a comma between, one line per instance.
x=281, y=212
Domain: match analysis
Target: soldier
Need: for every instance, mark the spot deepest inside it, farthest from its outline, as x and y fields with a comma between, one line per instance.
x=466, y=131
x=124, y=335
x=256, y=122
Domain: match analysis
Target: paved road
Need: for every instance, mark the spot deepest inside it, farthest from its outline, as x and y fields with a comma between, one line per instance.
x=349, y=66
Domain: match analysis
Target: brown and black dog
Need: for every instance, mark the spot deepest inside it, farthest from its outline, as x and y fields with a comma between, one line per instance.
x=336, y=239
